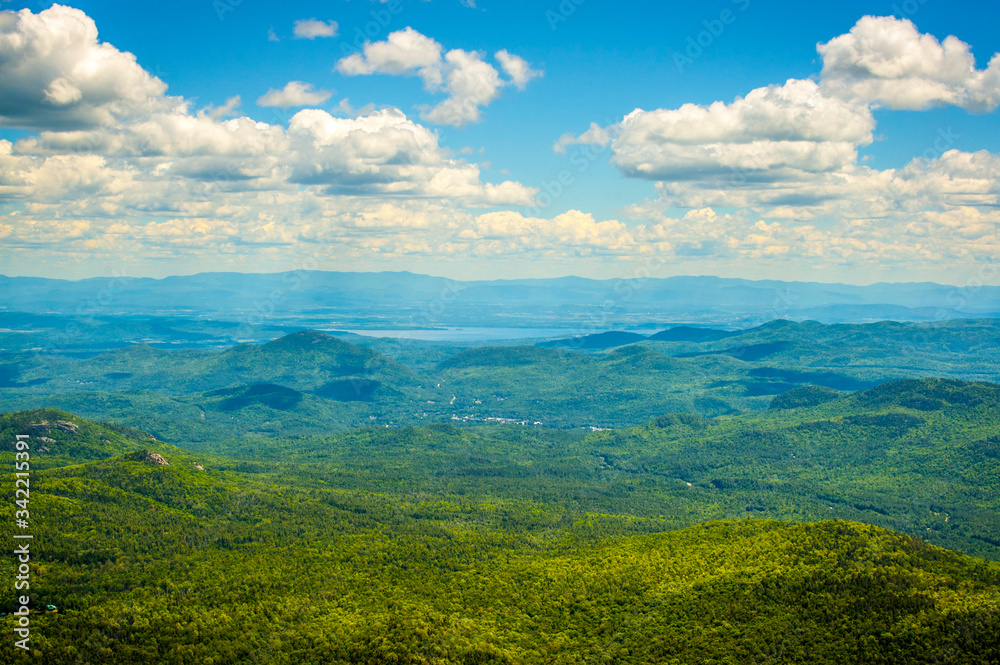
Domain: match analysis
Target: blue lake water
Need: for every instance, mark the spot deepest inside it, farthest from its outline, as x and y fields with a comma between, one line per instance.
x=471, y=334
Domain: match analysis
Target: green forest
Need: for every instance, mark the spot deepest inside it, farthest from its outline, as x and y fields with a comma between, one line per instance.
x=830, y=528
x=479, y=332
x=310, y=382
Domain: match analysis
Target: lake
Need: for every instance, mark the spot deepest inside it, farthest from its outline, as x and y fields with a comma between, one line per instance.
x=469, y=334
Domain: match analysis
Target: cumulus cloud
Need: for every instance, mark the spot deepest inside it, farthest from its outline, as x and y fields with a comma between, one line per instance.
x=774, y=133
x=229, y=108
x=385, y=152
x=956, y=179
x=114, y=166
x=128, y=170
x=792, y=150
x=785, y=158
x=164, y=135
x=574, y=230
x=595, y=136
x=887, y=61
x=295, y=93
x=470, y=82
x=382, y=153
x=55, y=74
x=311, y=28
x=403, y=52
x=517, y=68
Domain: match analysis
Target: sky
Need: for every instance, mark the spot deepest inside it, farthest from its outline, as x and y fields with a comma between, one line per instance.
x=850, y=142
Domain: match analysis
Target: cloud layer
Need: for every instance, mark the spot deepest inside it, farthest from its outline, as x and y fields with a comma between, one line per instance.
x=792, y=149
x=774, y=133
x=784, y=158
x=115, y=160
x=113, y=165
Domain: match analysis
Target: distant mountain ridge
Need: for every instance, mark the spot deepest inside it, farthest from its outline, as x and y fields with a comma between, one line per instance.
x=422, y=300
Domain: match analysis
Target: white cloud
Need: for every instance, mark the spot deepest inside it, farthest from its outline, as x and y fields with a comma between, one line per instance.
x=311, y=28
x=224, y=111
x=573, y=230
x=774, y=133
x=595, y=136
x=471, y=85
x=403, y=52
x=387, y=153
x=116, y=167
x=791, y=151
x=886, y=61
x=295, y=93
x=57, y=75
x=142, y=175
x=164, y=135
x=169, y=157
x=517, y=68
x=955, y=179
x=469, y=81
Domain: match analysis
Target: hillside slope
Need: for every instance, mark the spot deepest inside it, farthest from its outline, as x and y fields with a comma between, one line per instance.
x=194, y=558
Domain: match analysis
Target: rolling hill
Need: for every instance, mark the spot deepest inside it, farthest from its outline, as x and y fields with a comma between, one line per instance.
x=330, y=384
x=159, y=555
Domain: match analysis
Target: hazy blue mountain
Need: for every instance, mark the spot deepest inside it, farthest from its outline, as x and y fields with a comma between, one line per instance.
x=691, y=334
x=339, y=299
x=605, y=340
x=310, y=381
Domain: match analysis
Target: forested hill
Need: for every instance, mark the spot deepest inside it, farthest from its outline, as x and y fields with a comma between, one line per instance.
x=306, y=360
x=310, y=382
x=156, y=555
x=61, y=438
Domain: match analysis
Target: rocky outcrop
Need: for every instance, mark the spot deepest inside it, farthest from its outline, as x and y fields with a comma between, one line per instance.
x=155, y=458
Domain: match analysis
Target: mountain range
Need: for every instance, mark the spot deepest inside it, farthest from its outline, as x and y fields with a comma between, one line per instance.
x=310, y=381
x=332, y=299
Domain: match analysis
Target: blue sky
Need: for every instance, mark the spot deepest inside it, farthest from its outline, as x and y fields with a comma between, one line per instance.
x=403, y=140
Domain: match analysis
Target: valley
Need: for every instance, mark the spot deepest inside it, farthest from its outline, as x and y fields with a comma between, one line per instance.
x=793, y=491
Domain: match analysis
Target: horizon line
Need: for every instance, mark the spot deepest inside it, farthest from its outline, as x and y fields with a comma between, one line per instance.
x=467, y=281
